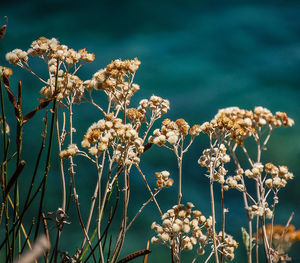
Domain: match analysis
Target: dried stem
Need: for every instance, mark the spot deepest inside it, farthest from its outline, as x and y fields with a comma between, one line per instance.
x=142, y=207
x=149, y=189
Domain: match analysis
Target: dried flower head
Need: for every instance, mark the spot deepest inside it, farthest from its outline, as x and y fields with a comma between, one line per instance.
x=214, y=159
x=173, y=132
x=4, y=71
x=163, y=179
x=183, y=228
x=70, y=151
x=282, y=238
x=127, y=146
x=63, y=62
x=239, y=124
x=117, y=80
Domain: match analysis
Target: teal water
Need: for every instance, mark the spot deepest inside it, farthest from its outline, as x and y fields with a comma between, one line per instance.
x=201, y=56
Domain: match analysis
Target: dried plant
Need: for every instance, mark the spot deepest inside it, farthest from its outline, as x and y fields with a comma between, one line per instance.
x=228, y=130
x=114, y=145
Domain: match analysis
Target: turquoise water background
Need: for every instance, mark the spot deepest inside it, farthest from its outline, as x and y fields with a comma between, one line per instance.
x=202, y=56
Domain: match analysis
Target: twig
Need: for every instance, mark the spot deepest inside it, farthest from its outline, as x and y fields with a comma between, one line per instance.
x=153, y=196
x=142, y=207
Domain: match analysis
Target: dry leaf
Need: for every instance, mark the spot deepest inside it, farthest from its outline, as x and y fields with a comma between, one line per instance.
x=3, y=30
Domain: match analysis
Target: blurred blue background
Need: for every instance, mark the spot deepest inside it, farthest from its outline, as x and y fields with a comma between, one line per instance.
x=202, y=56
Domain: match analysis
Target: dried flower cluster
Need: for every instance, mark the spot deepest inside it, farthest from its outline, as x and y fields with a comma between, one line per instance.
x=228, y=131
x=156, y=104
x=70, y=151
x=261, y=209
x=119, y=139
x=4, y=71
x=172, y=130
x=215, y=157
x=227, y=244
x=240, y=124
x=282, y=239
x=67, y=85
x=17, y=56
x=183, y=228
x=280, y=175
x=163, y=179
x=113, y=132
x=62, y=62
x=281, y=234
x=48, y=49
x=116, y=79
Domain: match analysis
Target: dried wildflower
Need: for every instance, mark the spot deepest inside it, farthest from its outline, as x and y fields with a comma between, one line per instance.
x=67, y=85
x=70, y=151
x=282, y=239
x=52, y=53
x=239, y=124
x=17, y=57
x=279, y=175
x=163, y=179
x=228, y=244
x=84, y=55
x=182, y=228
x=195, y=130
x=4, y=71
x=123, y=139
x=214, y=159
x=117, y=79
x=156, y=104
x=260, y=210
x=171, y=132
x=183, y=126
x=136, y=117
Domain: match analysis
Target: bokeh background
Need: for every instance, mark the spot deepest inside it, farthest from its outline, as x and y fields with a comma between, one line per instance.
x=202, y=56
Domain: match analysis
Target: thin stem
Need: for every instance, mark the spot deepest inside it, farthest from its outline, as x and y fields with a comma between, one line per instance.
x=256, y=242
x=142, y=207
x=265, y=241
x=213, y=218
x=179, y=163
x=27, y=68
x=237, y=163
x=285, y=230
x=97, y=106
x=208, y=258
x=78, y=208
x=223, y=220
x=47, y=167
x=63, y=182
x=272, y=219
x=99, y=206
x=22, y=226
x=247, y=155
x=122, y=233
x=268, y=137
x=64, y=193
x=4, y=174
x=149, y=189
x=94, y=197
x=72, y=173
x=28, y=200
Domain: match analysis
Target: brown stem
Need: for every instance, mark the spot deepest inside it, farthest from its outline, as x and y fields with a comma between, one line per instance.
x=213, y=219
x=149, y=189
x=223, y=221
